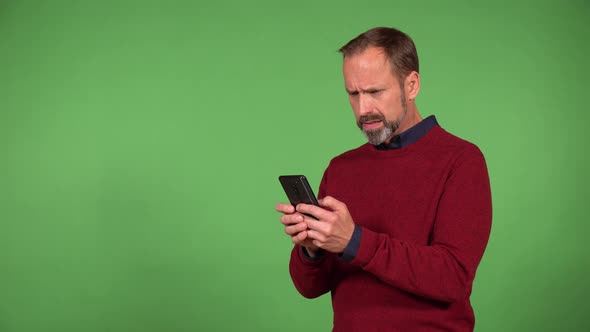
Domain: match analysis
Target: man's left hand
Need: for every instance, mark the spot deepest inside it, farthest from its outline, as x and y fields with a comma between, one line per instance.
x=334, y=227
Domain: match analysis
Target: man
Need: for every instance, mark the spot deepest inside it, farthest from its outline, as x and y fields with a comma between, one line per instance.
x=404, y=219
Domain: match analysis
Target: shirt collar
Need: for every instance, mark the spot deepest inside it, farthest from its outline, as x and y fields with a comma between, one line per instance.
x=411, y=135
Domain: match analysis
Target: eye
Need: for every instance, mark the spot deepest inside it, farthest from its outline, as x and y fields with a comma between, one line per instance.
x=375, y=92
x=352, y=93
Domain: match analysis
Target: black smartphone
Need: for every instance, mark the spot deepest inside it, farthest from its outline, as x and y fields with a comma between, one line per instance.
x=298, y=189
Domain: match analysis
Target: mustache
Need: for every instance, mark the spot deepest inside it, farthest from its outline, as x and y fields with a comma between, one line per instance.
x=369, y=118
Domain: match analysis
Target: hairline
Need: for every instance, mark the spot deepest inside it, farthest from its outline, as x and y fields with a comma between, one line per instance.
x=389, y=59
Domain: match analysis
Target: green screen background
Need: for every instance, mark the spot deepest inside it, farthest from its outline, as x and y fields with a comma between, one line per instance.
x=141, y=144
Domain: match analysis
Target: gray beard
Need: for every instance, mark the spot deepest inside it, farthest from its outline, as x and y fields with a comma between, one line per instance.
x=378, y=136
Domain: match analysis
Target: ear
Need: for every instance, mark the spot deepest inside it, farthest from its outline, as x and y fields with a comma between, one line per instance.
x=412, y=85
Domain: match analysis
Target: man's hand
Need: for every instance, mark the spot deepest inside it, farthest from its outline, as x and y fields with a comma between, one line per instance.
x=296, y=228
x=334, y=227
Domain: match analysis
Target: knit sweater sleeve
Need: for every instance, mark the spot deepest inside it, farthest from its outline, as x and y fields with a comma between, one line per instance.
x=312, y=277
x=443, y=270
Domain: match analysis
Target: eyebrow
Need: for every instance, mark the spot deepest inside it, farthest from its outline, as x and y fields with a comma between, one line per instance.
x=370, y=89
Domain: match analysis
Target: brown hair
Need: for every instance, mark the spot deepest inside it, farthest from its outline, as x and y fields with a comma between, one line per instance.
x=398, y=47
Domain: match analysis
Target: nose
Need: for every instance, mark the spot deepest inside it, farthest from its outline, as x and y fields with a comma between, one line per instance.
x=365, y=105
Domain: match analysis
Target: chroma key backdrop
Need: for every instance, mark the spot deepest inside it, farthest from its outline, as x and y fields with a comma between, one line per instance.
x=141, y=142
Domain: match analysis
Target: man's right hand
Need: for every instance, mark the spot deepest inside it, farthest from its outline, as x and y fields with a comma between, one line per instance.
x=296, y=228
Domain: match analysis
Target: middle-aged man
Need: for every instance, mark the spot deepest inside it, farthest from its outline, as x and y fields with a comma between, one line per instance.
x=404, y=219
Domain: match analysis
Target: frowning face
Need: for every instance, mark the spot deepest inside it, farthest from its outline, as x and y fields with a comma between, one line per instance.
x=375, y=94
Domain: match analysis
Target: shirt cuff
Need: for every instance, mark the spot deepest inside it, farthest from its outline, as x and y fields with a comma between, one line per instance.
x=353, y=245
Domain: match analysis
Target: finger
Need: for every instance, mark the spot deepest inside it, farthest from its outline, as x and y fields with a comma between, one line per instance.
x=290, y=219
x=318, y=244
x=294, y=229
x=299, y=238
x=315, y=211
x=315, y=235
x=285, y=208
x=332, y=203
x=316, y=225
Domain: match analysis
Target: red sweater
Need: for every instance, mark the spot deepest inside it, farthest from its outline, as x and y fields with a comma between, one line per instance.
x=425, y=212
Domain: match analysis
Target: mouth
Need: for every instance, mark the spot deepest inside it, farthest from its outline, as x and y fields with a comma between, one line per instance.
x=368, y=125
